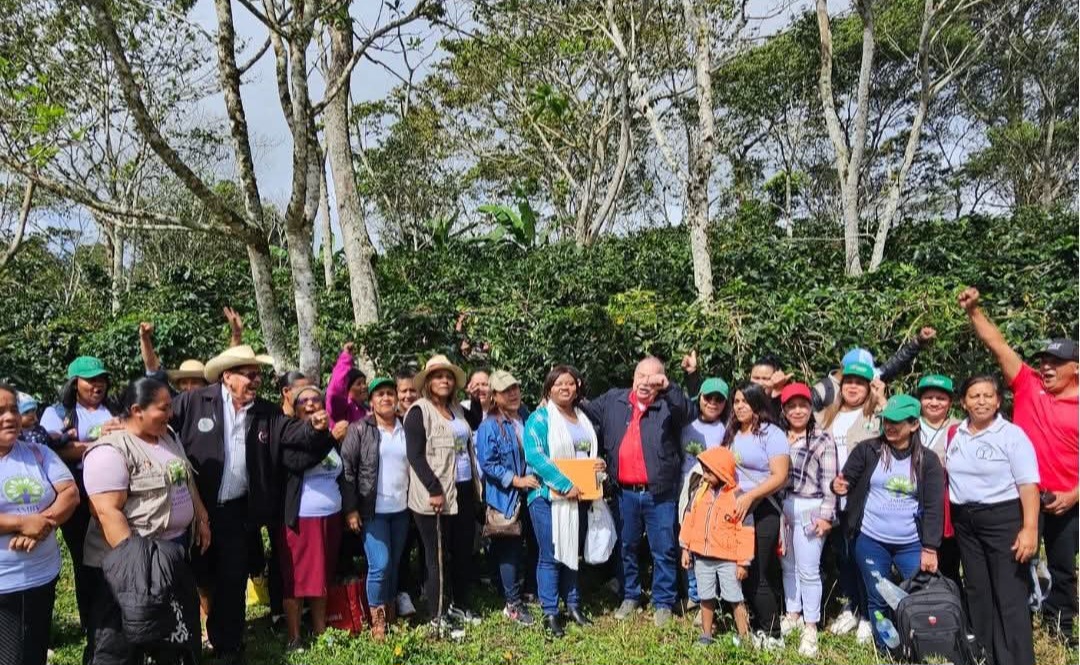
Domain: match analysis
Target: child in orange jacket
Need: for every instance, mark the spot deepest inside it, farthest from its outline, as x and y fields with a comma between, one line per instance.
x=722, y=548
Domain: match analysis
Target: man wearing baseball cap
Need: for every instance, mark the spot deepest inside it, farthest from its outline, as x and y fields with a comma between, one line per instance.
x=1045, y=406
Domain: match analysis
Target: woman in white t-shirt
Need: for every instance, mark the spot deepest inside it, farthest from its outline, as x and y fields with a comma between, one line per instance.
x=38, y=495
x=82, y=415
x=850, y=420
x=311, y=530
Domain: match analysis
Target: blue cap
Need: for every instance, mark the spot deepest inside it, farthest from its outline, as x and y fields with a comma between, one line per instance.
x=857, y=355
x=27, y=403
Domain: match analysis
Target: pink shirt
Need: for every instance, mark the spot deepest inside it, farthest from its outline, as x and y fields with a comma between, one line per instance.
x=339, y=406
x=105, y=470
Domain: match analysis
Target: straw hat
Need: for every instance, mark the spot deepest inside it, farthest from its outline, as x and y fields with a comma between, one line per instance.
x=189, y=369
x=236, y=356
x=436, y=363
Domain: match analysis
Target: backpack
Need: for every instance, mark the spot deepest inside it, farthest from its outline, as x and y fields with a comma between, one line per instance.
x=931, y=621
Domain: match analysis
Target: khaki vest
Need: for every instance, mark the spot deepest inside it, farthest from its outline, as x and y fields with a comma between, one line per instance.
x=148, y=504
x=440, y=456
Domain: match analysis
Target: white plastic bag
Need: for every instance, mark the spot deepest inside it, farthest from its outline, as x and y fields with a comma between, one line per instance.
x=600, y=534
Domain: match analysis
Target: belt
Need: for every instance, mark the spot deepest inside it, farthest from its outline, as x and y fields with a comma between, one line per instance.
x=626, y=487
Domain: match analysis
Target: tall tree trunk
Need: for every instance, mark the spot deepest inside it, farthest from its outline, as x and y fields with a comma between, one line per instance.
x=325, y=230
x=303, y=276
x=359, y=252
x=701, y=156
x=262, y=281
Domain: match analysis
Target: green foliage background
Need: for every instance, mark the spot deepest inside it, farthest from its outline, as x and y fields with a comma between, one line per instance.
x=599, y=308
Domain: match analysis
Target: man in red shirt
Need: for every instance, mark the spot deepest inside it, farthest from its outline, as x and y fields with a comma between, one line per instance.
x=639, y=433
x=1045, y=406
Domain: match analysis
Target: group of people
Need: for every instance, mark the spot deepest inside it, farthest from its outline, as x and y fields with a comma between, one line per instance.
x=744, y=495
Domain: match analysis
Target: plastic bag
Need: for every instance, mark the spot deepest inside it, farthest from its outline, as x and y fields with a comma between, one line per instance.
x=600, y=535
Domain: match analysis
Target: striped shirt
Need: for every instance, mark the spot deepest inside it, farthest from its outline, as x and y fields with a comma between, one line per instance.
x=814, y=465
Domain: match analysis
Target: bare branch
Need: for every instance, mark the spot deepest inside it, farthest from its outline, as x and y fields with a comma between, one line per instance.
x=20, y=225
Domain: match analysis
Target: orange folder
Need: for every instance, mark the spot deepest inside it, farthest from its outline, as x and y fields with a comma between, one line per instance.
x=581, y=472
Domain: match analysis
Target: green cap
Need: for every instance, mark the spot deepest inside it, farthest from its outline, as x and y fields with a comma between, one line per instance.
x=900, y=408
x=713, y=385
x=861, y=370
x=938, y=381
x=379, y=382
x=86, y=367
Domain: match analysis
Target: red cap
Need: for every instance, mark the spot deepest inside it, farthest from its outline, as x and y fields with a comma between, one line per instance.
x=794, y=390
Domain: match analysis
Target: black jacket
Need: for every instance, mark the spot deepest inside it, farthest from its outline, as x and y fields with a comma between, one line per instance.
x=929, y=490
x=661, y=427
x=360, y=456
x=276, y=444
x=155, y=589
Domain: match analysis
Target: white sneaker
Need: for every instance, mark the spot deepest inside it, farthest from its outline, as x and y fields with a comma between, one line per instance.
x=405, y=607
x=789, y=625
x=808, y=643
x=763, y=642
x=865, y=634
x=844, y=624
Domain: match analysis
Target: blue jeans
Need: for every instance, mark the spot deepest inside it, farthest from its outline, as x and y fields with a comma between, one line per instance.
x=640, y=512
x=553, y=579
x=873, y=556
x=507, y=554
x=384, y=541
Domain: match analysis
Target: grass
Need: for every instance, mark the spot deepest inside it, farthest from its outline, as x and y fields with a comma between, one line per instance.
x=497, y=642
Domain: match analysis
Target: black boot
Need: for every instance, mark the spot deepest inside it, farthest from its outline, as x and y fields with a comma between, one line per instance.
x=552, y=625
x=577, y=617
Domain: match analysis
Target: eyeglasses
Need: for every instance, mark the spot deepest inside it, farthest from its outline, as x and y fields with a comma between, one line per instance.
x=714, y=398
x=308, y=400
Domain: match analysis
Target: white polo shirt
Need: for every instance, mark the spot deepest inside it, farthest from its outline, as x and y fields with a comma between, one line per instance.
x=986, y=467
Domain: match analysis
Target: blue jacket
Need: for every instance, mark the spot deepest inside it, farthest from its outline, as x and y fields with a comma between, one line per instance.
x=661, y=429
x=501, y=458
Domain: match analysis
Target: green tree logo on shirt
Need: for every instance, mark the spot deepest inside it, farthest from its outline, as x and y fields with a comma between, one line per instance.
x=94, y=433
x=23, y=489
x=176, y=471
x=695, y=448
x=900, y=486
x=330, y=463
x=460, y=443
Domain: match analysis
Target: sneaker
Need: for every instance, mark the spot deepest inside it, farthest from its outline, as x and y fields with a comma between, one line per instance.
x=808, y=643
x=295, y=646
x=516, y=612
x=627, y=608
x=463, y=616
x=844, y=624
x=704, y=641
x=789, y=625
x=661, y=617
x=763, y=642
x=405, y=607
x=447, y=625
x=864, y=634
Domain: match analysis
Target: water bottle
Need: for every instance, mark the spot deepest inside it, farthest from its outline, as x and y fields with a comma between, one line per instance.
x=886, y=630
x=891, y=593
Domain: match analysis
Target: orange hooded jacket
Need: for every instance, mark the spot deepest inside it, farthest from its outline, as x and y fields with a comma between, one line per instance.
x=709, y=529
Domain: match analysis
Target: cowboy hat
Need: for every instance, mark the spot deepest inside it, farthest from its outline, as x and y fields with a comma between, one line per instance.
x=189, y=369
x=436, y=363
x=236, y=356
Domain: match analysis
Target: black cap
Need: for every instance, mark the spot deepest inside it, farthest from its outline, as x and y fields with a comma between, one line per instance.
x=1062, y=349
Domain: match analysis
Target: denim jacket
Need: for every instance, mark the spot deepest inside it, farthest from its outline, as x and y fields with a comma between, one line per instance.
x=501, y=457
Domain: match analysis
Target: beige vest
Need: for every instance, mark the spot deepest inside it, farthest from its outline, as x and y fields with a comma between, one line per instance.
x=148, y=504
x=440, y=456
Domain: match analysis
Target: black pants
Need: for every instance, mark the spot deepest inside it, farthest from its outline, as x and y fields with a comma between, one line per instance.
x=25, y=619
x=1062, y=540
x=85, y=578
x=458, y=536
x=997, y=586
x=223, y=571
x=409, y=580
x=762, y=584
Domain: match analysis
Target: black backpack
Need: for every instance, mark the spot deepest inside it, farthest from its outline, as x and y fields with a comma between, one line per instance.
x=931, y=621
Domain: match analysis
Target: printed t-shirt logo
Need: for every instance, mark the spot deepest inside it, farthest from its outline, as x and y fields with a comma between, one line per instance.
x=330, y=463
x=176, y=471
x=695, y=448
x=94, y=433
x=23, y=489
x=900, y=486
x=460, y=443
